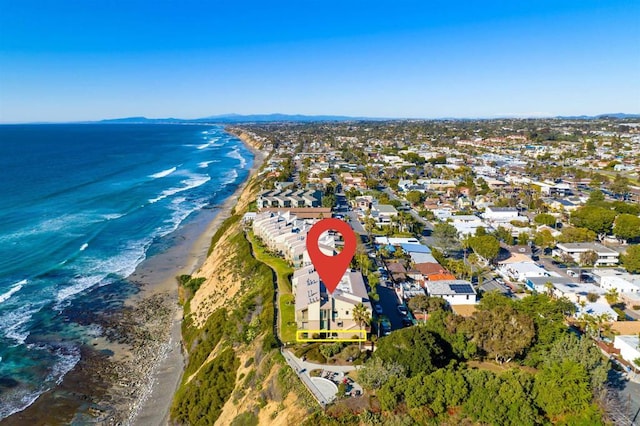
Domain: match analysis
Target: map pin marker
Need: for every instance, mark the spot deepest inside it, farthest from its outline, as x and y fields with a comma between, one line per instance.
x=331, y=268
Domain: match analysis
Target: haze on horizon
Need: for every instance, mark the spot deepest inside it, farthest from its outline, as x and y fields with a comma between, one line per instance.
x=70, y=61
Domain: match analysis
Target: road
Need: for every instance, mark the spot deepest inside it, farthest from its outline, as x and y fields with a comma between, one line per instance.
x=428, y=226
x=389, y=303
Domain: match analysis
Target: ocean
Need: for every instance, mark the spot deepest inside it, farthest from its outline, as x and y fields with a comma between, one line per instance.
x=81, y=206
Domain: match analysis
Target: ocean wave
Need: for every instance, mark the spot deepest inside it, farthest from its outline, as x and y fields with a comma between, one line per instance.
x=236, y=154
x=14, y=289
x=205, y=164
x=22, y=397
x=230, y=177
x=211, y=143
x=14, y=322
x=68, y=357
x=64, y=223
x=94, y=271
x=181, y=210
x=113, y=216
x=193, y=182
x=163, y=173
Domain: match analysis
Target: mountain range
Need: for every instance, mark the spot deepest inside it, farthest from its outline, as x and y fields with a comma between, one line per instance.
x=299, y=118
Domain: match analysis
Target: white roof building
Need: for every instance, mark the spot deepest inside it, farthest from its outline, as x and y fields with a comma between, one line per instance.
x=629, y=346
x=455, y=292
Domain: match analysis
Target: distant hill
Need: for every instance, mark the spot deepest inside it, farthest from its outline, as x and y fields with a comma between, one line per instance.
x=299, y=118
x=617, y=115
x=237, y=118
x=141, y=120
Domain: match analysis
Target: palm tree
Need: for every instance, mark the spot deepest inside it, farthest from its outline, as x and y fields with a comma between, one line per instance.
x=549, y=286
x=612, y=296
x=362, y=317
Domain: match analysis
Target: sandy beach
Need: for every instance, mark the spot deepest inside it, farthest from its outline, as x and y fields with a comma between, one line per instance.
x=156, y=276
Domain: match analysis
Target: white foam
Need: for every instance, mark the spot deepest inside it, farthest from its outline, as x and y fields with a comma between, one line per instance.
x=163, y=173
x=205, y=164
x=68, y=358
x=84, y=246
x=193, y=182
x=65, y=223
x=230, y=177
x=14, y=289
x=236, y=154
x=13, y=322
x=113, y=216
x=98, y=271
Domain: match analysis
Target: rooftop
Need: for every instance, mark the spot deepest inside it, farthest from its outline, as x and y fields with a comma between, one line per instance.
x=451, y=287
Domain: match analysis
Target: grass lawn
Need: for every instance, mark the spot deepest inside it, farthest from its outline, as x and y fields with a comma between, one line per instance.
x=283, y=273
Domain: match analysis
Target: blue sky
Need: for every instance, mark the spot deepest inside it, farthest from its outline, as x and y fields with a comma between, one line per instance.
x=80, y=60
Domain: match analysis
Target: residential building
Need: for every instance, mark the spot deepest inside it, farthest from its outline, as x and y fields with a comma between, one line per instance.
x=289, y=198
x=500, y=214
x=629, y=346
x=318, y=309
x=455, y=292
x=606, y=256
x=623, y=282
x=383, y=213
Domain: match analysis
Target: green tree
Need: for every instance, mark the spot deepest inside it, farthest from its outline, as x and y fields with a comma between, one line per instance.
x=582, y=351
x=425, y=304
x=374, y=373
x=596, y=197
x=361, y=317
x=415, y=348
x=486, y=246
x=576, y=235
x=439, y=390
x=631, y=259
x=502, y=333
x=523, y=238
x=545, y=219
x=504, y=234
x=544, y=239
x=563, y=388
x=501, y=400
x=415, y=197
x=612, y=296
x=445, y=235
x=627, y=227
x=588, y=258
x=597, y=219
x=620, y=185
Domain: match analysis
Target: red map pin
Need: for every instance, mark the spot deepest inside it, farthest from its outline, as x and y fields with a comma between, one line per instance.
x=331, y=268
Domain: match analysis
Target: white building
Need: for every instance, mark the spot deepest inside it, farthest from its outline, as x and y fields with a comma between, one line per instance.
x=629, y=346
x=606, y=256
x=623, y=282
x=455, y=292
x=467, y=224
x=500, y=214
x=383, y=213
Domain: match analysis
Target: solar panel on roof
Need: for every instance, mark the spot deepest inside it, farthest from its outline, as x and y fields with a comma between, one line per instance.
x=461, y=288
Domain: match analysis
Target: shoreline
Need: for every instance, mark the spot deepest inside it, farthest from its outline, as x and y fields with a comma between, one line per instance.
x=130, y=373
x=154, y=405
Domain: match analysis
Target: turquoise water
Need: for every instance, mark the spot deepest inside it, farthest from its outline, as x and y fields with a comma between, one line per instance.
x=80, y=207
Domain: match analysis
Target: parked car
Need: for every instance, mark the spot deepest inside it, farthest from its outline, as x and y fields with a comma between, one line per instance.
x=378, y=309
x=402, y=310
x=406, y=322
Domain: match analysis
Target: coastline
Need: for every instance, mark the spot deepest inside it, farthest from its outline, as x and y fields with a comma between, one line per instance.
x=153, y=406
x=130, y=374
